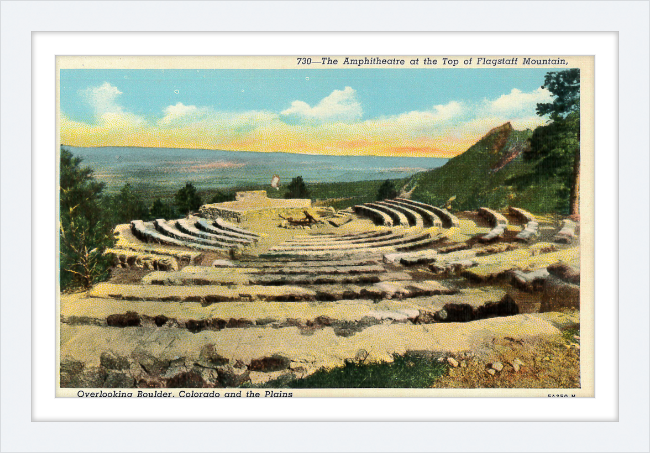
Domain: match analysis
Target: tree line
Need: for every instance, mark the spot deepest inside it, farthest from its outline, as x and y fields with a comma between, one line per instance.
x=88, y=216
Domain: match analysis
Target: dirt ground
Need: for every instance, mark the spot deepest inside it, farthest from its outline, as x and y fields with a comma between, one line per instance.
x=542, y=363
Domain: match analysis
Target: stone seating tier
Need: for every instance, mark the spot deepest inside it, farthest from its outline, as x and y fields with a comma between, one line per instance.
x=404, y=239
x=377, y=216
x=398, y=217
x=165, y=228
x=186, y=227
x=448, y=219
x=414, y=218
x=429, y=217
x=493, y=217
x=144, y=233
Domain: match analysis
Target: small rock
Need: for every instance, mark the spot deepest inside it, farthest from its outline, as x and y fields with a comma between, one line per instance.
x=517, y=364
x=463, y=364
x=492, y=371
x=441, y=359
x=546, y=359
x=498, y=366
x=222, y=263
x=453, y=362
x=361, y=355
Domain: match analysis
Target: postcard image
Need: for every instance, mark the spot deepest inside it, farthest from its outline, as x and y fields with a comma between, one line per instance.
x=317, y=226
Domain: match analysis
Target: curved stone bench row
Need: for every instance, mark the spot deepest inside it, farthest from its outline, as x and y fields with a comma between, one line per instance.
x=397, y=217
x=448, y=219
x=567, y=232
x=374, y=253
x=286, y=293
x=376, y=215
x=210, y=276
x=132, y=243
x=529, y=233
x=203, y=225
x=415, y=218
x=493, y=217
x=405, y=239
x=522, y=215
x=343, y=238
x=186, y=227
x=222, y=224
x=144, y=233
x=344, y=243
x=131, y=259
x=165, y=228
x=498, y=222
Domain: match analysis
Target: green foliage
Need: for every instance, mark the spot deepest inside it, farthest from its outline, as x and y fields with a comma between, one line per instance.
x=187, y=199
x=126, y=206
x=565, y=86
x=386, y=191
x=477, y=178
x=408, y=371
x=297, y=189
x=84, y=229
x=161, y=210
x=221, y=197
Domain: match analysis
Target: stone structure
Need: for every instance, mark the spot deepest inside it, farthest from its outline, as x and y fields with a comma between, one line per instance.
x=255, y=204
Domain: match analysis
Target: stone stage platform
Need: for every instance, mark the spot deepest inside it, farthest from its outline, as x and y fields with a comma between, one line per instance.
x=252, y=205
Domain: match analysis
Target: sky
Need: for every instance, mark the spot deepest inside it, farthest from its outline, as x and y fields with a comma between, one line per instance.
x=384, y=112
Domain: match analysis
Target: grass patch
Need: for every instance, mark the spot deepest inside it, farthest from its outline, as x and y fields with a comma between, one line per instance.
x=570, y=333
x=408, y=371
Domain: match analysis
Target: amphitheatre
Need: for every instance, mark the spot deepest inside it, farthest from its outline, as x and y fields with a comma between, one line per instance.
x=260, y=290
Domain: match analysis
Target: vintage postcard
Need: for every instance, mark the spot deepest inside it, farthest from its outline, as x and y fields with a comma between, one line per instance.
x=304, y=226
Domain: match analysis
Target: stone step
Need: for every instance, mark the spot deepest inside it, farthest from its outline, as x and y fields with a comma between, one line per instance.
x=352, y=314
x=213, y=294
x=227, y=226
x=522, y=215
x=398, y=217
x=367, y=237
x=145, y=233
x=428, y=216
x=411, y=258
x=130, y=259
x=567, y=232
x=204, y=225
x=448, y=219
x=414, y=217
x=186, y=227
x=493, y=217
x=565, y=272
x=128, y=242
x=498, y=266
x=101, y=357
x=218, y=276
x=454, y=262
x=271, y=265
x=377, y=215
x=529, y=233
x=344, y=243
x=196, y=317
x=167, y=229
x=316, y=270
x=389, y=241
x=495, y=233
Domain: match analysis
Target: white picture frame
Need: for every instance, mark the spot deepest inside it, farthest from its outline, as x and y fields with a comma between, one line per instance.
x=621, y=402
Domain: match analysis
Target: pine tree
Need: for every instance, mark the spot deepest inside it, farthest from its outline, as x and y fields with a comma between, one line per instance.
x=84, y=230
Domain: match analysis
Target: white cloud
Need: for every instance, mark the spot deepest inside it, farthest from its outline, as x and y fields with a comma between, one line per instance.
x=102, y=98
x=340, y=106
x=517, y=101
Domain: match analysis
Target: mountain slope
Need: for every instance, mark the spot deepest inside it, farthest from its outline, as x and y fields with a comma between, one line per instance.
x=491, y=173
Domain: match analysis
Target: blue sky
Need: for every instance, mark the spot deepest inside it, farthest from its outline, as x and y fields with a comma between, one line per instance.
x=94, y=101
